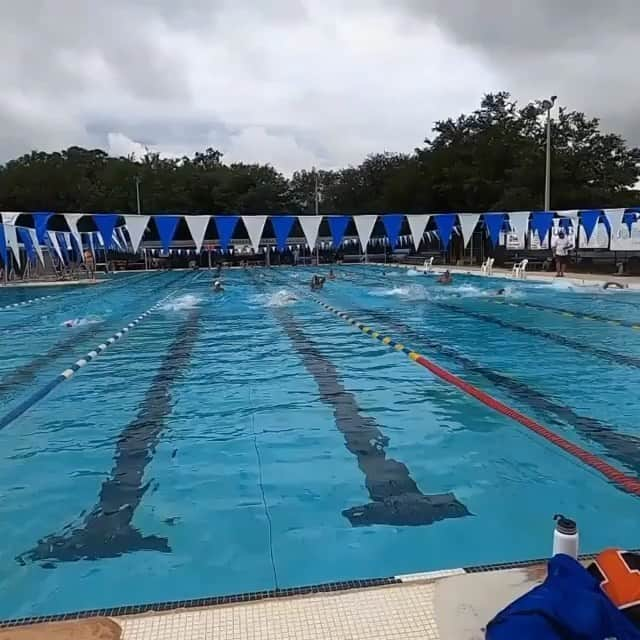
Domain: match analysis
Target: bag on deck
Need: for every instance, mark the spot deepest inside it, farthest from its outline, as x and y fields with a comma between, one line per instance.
x=568, y=605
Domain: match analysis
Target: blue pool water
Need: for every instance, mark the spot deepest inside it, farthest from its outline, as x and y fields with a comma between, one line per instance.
x=232, y=442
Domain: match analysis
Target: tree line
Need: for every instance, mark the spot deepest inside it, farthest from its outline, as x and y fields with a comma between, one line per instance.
x=490, y=160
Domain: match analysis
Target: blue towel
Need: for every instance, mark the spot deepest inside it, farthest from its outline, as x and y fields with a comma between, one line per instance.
x=568, y=605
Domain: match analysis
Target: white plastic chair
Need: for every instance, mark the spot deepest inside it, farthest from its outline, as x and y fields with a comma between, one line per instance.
x=487, y=266
x=520, y=269
x=428, y=264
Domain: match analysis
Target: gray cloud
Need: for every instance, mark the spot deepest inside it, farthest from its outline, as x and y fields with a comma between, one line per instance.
x=521, y=27
x=294, y=82
x=581, y=50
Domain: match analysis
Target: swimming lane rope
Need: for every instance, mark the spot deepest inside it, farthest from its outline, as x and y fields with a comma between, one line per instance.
x=24, y=303
x=622, y=480
x=68, y=373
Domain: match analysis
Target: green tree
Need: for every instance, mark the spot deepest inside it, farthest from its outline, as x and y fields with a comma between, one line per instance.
x=491, y=159
x=494, y=159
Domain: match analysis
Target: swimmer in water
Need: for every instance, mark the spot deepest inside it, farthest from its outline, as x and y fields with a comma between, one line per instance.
x=614, y=285
x=500, y=292
x=445, y=278
x=332, y=276
x=217, y=287
x=73, y=322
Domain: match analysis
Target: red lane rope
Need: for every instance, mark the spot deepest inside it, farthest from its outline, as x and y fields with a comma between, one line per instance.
x=622, y=480
x=630, y=484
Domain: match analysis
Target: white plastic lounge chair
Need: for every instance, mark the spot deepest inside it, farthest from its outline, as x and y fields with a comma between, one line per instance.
x=428, y=264
x=487, y=266
x=520, y=269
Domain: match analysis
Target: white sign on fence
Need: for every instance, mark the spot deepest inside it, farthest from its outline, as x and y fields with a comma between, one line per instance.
x=534, y=240
x=513, y=241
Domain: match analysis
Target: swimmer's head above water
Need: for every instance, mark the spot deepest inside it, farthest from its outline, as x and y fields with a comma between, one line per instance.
x=445, y=278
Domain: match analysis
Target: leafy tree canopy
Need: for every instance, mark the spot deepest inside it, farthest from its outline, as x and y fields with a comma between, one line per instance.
x=490, y=160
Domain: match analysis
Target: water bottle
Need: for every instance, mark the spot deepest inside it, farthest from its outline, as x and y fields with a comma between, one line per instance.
x=565, y=536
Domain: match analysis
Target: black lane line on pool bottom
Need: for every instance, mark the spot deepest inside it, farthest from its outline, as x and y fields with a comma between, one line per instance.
x=569, y=313
x=622, y=447
x=396, y=498
x=97, y=290
x=604, y=354
x=15, y=379
x=27, y=372
x=107, y=531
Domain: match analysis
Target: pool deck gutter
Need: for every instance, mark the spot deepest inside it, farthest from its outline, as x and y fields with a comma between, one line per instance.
x=430, y=606
x=32, y=284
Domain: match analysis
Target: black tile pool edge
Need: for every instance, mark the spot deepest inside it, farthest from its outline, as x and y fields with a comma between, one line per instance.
x=480, y=568
x=253, y=596
x=329, y=587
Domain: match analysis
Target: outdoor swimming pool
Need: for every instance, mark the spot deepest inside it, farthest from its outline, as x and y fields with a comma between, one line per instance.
x=247, y=440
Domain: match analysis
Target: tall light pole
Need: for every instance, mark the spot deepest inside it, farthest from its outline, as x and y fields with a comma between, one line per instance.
x=146, y=263
x=547, y=105
x=316, y=202
x=138, y=193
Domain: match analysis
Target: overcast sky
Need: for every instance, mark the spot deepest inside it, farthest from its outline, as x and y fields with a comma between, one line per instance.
x=299, y=82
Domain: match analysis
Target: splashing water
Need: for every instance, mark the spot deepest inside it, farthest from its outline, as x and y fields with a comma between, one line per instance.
x=472, y=291
x=569, y=287
x=414, y=291
x=396, y=291
x=186, y=301
x=281, y=298
x=81, y=322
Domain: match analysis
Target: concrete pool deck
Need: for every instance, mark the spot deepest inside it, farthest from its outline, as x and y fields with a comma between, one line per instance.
x=430, y=606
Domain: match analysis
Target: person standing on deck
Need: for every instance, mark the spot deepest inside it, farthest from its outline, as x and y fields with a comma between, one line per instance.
x=561, y=249
x=89, y=263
